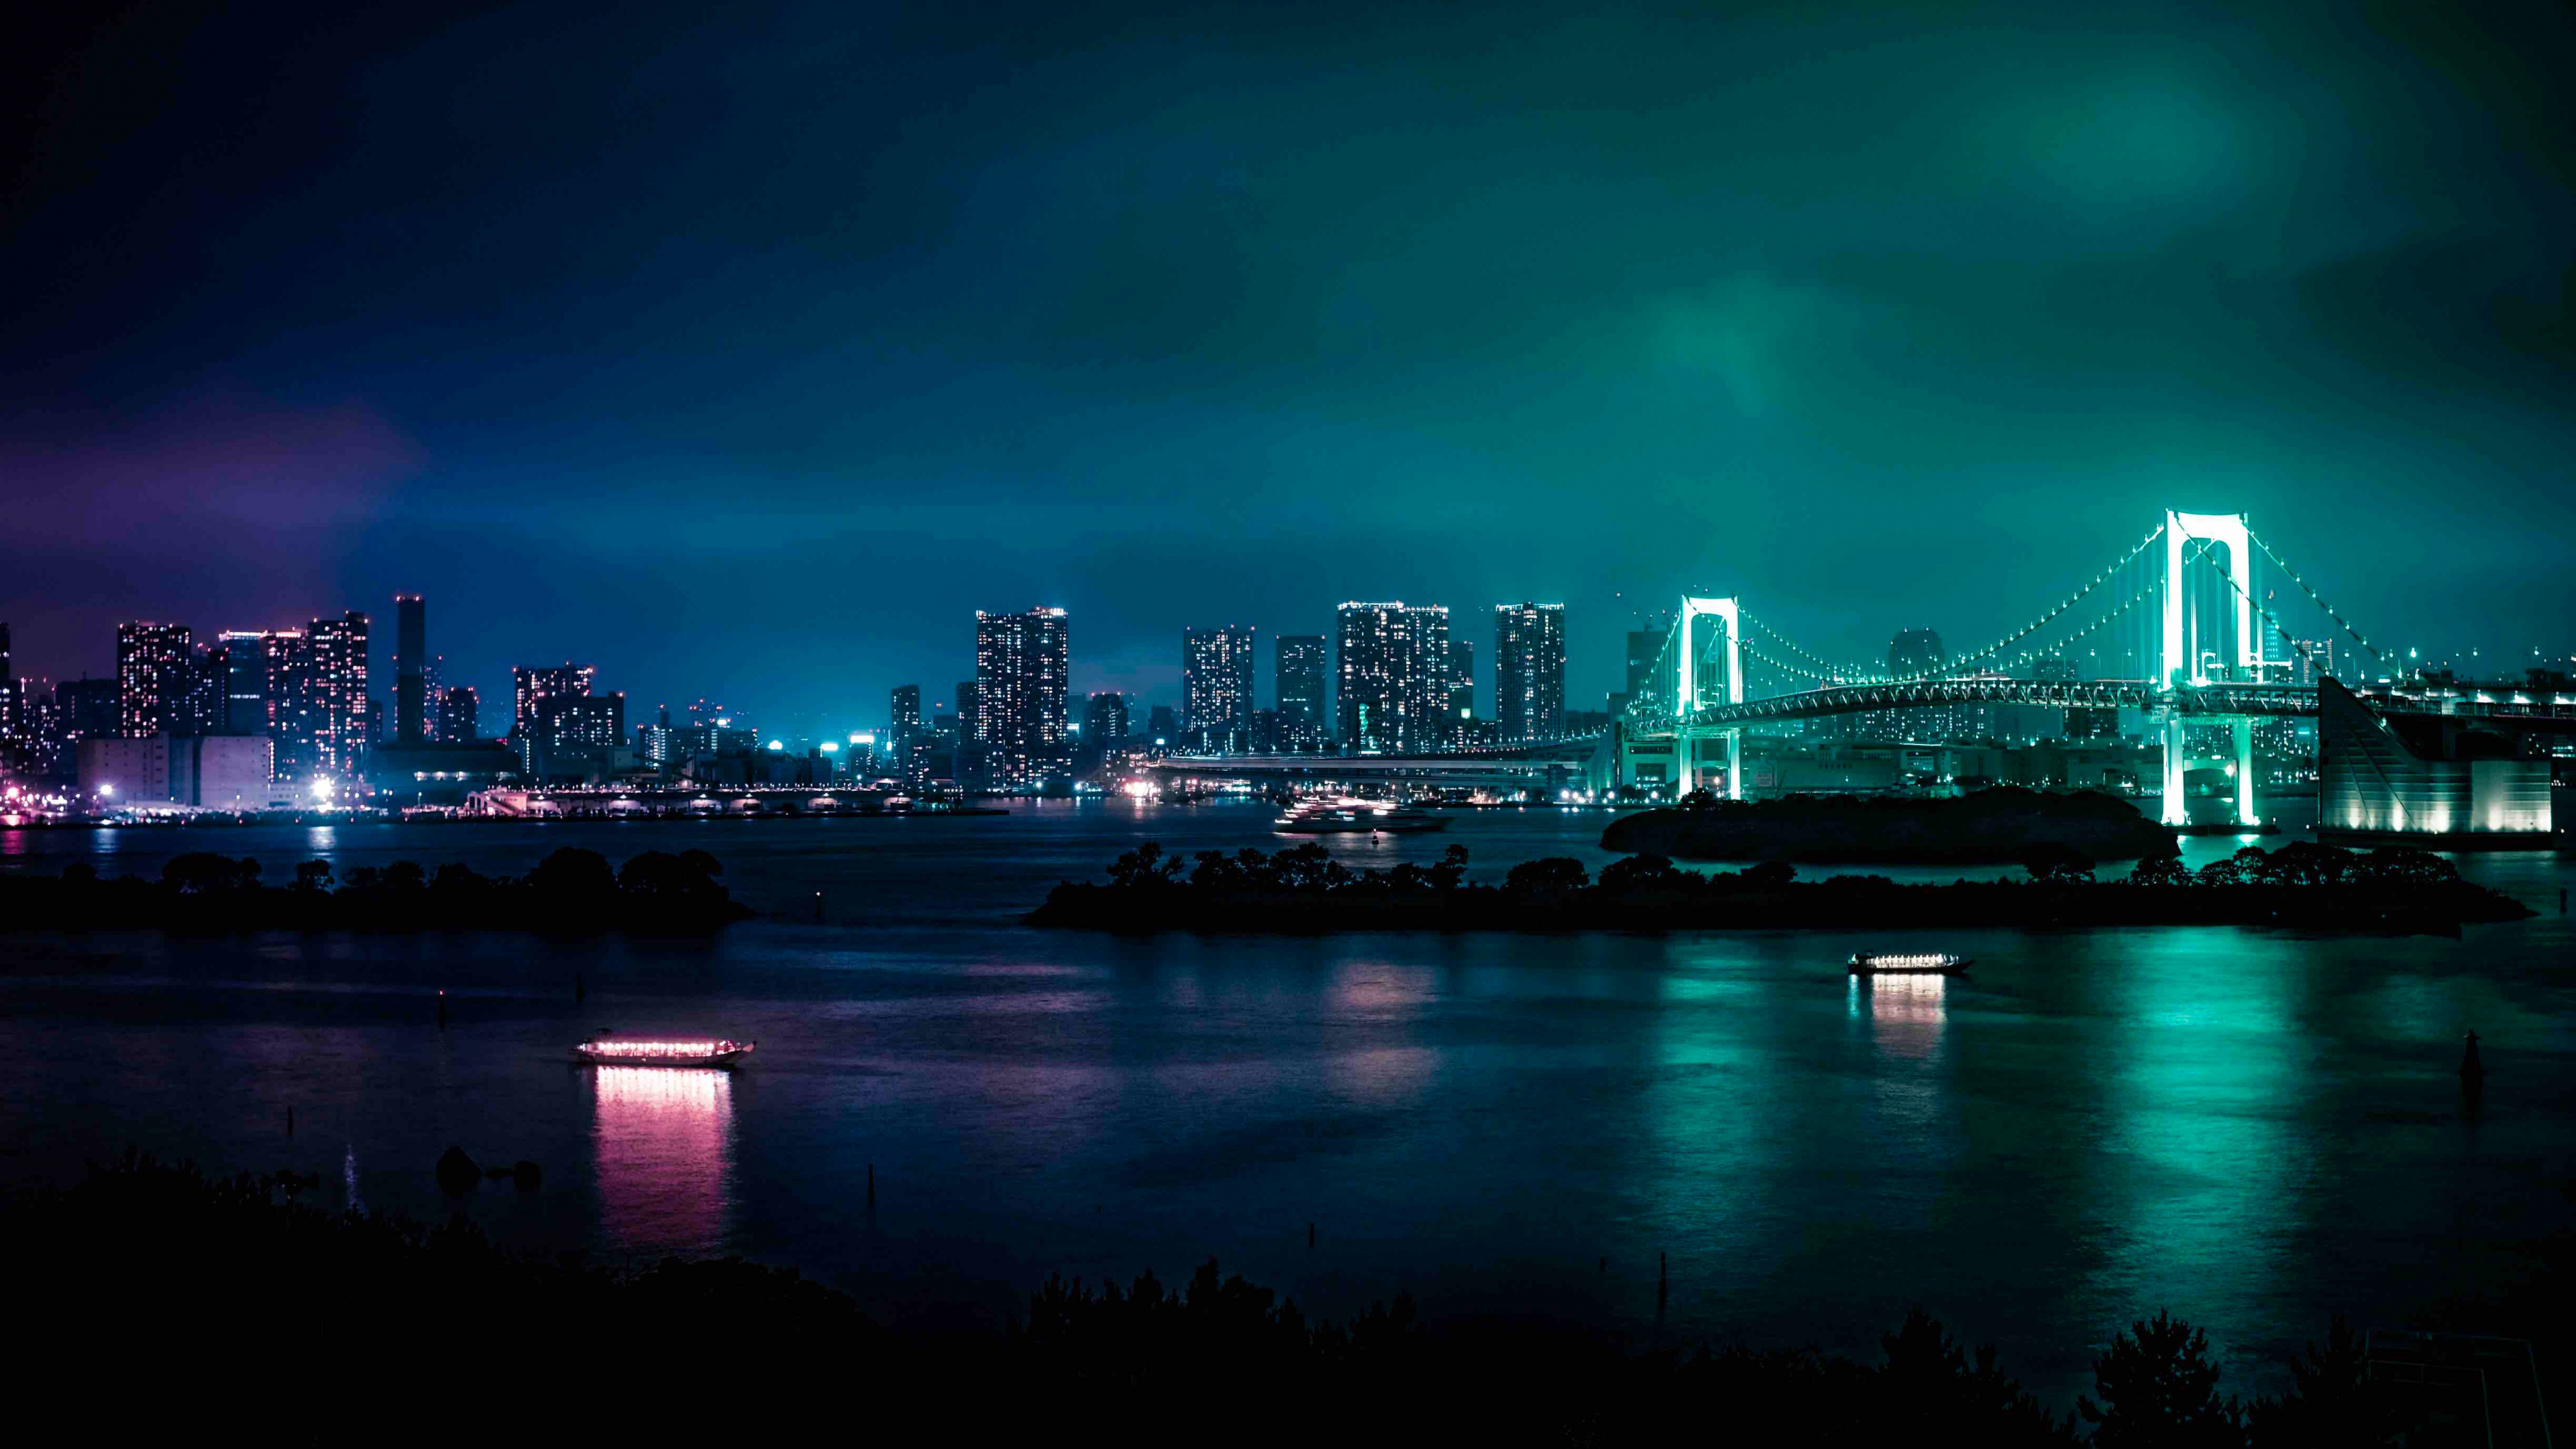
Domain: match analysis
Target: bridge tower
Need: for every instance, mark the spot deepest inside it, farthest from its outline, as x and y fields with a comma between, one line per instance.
x=1686, y=693
x=2180, y=666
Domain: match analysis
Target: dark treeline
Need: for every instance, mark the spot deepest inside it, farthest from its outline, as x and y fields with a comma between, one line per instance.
x=196, y=1298
x=569, y=891
x=1302, y=888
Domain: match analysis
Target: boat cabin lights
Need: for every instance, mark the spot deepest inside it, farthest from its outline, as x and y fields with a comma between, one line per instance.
x=622, y=1047
x=1918, y=958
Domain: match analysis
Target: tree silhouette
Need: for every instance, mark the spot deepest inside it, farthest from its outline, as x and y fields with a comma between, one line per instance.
x=2159, y=1390
x=2055, y=864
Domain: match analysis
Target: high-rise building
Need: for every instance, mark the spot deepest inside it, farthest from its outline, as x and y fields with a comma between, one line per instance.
x=1913, y=652
x=1021, y=662
x=153, y=677
x=1303, y=663
x=13, y=709
x=966, y=708
x=1393, y=686
x=1162, y=727
x=1644, y=645
x=907, y=716
x=89, y=708
x=245, y=681
x=411, y=663
x=1216, y=686
x=1529, y=670
x=596, y=720
x=535, y=684
x=1104, y=721
x=459, y=710
x=337, y=651
x=1461, y=683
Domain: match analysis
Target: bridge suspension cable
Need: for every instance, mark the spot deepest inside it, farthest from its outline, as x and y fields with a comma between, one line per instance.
x=1950, y=664
x=2313, y=597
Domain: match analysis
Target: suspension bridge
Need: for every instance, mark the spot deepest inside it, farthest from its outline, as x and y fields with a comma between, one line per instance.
x=2176, y=627
x=2193, y=642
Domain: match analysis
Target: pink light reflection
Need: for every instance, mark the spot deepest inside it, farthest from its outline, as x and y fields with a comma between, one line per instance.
x=1907, y=1013
x=663, y=1138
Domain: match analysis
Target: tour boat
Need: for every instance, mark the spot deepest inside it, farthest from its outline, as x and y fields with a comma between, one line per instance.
x=1359, y=817
x=604, y=1050
x=1908, y=963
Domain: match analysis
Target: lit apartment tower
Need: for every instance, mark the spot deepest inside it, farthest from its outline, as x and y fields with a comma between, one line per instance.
x=533, y=685
x=1216, y=686
x=582, y=720
x=1394, y=676
x=1019, y=696
x=411, y=659
x=152, y=678
x=1104, y=721
x=337, y=653
x=1302, y=666
x=433, y=697
x=458, y=711
x=1529, y=670
x=1459, y=702
x=246, y=671
x=1911, y=652
x=907, y=716
x=13, y=713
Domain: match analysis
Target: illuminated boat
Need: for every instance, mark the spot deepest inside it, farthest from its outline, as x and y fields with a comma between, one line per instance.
x=1357, y=817
x=604, y=1050
x=1908, y=963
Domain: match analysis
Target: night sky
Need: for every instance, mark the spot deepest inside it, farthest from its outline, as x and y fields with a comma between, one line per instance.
x=744, y=351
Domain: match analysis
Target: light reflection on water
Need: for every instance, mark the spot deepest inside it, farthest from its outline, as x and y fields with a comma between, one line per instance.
x=663, y=1143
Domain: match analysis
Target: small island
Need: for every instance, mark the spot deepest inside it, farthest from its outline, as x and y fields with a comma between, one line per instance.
x=1988, y=827
x=1303, y=890
x=570, y=892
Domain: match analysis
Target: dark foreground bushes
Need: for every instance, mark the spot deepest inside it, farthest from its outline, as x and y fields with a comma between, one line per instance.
x=152, y=1297
x=1302, y=888
x=569, y=891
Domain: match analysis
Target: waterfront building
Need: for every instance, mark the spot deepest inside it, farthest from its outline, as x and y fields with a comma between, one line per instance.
x=411, y=659
x=906, y=701
x=459, y=714
x=335, y=688
x=1216, y=686
x=1301, y=665
x=209, y=772
x=1392, y=685
x=533, y=685
x=152, y=678
x=2419, y=779
x=1529, y=670
x=1104, y=721
x=1021, y=664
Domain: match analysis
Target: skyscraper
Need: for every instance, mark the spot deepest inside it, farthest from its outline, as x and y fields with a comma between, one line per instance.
x=458, y=711
x=1393, y=685
x=246, y=671
x=1911, y=652
x=152, y=679
x=337, y=651
x=535, y=684
x=1301, y=668
x=1643, y=645
x=1529, y=670
x=1216, y=686
x=907, y=717
x=411, y=661
x=1104, y=721
x=1461, y=681
x=1020, y=667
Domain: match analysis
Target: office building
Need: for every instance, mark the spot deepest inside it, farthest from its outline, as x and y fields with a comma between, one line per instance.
x=1529, y=670
x=1216, y=687
x=246, y=671
x=411, y=661
x=207, y=772
x=1301, y=666
x=1392, y=686
x=1644, y=647
x=1460, y=702
x=1021, y=662
x=89, y=708
x=336, y=665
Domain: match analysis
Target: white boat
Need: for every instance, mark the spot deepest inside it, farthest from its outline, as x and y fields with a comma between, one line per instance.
x=1357, y=817
x=605, y=1050
x=1908, y=963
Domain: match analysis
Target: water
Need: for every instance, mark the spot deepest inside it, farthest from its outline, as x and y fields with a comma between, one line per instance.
x=2251, y=1128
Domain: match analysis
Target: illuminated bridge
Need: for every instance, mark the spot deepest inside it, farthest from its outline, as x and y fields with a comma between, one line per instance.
x=2177, y=618
x=2177, y=627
